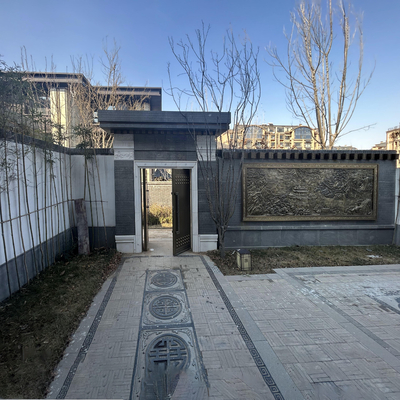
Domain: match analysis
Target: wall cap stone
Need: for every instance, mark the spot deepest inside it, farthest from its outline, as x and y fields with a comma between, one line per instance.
x=314, y=155
x=41, y=144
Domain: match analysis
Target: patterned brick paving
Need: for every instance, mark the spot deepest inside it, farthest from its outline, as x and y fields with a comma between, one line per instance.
x=332, y=336
x=320, y=333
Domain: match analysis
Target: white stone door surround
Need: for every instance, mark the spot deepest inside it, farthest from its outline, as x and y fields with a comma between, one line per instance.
x=194, y=222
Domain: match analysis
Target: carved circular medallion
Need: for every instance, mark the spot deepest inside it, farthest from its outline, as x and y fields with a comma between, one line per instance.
x=169, y=351
x=165, y=307
x=164, y=279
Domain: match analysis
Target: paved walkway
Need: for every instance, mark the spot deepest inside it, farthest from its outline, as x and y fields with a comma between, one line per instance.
x=309, y=333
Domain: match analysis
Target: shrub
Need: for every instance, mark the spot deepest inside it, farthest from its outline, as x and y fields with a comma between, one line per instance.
x=160, y=215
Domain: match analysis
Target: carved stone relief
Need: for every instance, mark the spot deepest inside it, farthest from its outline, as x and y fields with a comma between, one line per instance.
x=289, y=192
x=123, y=154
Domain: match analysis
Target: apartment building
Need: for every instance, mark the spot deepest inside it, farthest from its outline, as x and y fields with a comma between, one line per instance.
x=270, y=136
x=393, y=138
x=69, y=99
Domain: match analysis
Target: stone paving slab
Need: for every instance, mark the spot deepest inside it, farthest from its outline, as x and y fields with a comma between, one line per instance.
x=302, y=333
x=350, y=350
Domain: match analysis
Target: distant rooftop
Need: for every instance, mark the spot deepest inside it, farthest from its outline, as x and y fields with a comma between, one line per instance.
x=63, y=79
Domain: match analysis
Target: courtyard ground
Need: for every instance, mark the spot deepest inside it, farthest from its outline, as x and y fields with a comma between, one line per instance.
x=299, y=332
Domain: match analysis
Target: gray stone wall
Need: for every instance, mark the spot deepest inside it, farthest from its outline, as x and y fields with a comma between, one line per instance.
x=39, y=257
x=21, y=256
x=258, y=234
x=149, y=146
x=160, y=193
x=169, y=147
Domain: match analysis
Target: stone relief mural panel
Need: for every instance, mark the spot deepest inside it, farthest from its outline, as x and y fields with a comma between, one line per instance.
x=294, y=192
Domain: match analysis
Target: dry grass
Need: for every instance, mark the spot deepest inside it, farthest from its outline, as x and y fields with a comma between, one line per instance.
x=160, y=215
x=37, y=322
x=264, y=261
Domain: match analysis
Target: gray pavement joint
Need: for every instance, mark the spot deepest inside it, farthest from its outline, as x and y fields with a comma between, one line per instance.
x=255, y=348
x=87, y=342
x=383, y=304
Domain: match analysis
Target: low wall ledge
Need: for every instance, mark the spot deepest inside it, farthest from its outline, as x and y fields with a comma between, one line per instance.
x=309, y=228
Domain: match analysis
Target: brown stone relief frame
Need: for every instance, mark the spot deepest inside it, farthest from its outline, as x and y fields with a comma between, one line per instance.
x=290, y=217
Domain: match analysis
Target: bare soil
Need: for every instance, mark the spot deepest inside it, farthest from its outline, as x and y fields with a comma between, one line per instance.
x=36, y=323
x=264, y=261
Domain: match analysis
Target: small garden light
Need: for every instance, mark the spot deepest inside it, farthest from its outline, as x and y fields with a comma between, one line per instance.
x=243, y=259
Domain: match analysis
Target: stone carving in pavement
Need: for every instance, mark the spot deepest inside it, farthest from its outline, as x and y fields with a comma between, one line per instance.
x=167, y=344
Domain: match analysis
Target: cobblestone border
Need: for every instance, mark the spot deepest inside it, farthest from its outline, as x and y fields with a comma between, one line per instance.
x=273, y=387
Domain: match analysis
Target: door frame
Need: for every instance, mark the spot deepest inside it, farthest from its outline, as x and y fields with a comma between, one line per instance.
x=194, y=221
x=145, y=211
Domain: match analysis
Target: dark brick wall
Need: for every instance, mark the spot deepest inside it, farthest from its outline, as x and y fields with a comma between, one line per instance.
x=206, y=224
x=124, y=198
x=168, y=147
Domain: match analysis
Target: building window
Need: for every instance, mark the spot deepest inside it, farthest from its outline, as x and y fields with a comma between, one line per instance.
x=303, y=132
x=254, y=132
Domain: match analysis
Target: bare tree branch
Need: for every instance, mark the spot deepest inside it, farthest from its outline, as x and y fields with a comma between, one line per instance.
x=228, y=81
x=87, y=99
x=320, y=93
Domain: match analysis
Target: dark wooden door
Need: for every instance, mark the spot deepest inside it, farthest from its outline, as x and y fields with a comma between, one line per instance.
x=145, y=212
x=181, y=210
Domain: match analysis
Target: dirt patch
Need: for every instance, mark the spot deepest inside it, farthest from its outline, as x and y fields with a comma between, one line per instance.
x=36, y=323
x=264, y=261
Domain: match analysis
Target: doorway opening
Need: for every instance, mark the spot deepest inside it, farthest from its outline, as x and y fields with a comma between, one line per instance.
x=166, y=211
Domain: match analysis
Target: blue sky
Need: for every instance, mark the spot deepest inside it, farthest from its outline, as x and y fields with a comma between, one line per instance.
x=62, y=29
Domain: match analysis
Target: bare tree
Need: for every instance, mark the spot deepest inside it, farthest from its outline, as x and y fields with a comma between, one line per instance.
x=75, y=106
x=91, y=96
x=322, y=94
x=222, y=82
